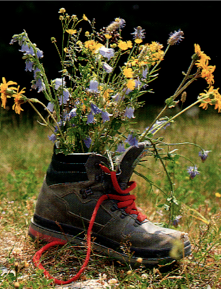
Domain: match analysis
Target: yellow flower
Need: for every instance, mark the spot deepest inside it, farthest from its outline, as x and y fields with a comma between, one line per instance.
x=203, y=57
x=85, y=17
x=218, y=195
x=129, y=44
x=122, y=45
x=138, y=40
x=207, y=73
x=17, y=105
x=71, y=31
x=5, y=90
x=62, y=10
x=107, y=36
x=87, y=33
x=131, y=84
x=207, y=101
x=106, y=94
x=66, y=50
x=92, y=45
x=128, y=72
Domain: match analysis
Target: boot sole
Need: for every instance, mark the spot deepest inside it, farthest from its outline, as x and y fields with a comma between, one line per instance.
x=41, y=233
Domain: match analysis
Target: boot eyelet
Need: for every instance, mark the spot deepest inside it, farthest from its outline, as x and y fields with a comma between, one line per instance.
x=114, y=208
x=137, y=223
x=123, y=214
x=86, y=192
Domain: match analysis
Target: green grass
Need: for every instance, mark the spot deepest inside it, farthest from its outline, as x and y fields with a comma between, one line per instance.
x=25, y=153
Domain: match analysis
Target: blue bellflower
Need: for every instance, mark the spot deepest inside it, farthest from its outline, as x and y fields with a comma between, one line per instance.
x=93, y=87
x=203, y=155
x=129, y=112
x=64, y=99
x=120, y=148
x=105, y=116
x=73, y=113
x=50, y=106
x=95, y=109
x=106, y=52
x=107, y=67
x=28, y=66
x=87, y=142
x=58, y=82
x=192, y=171
x=90, y=118
x=131, y=140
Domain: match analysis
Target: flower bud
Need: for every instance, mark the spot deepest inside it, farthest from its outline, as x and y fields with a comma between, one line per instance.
x=183, y=96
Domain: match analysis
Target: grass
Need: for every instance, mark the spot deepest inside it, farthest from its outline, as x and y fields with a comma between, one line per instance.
x=25, y=153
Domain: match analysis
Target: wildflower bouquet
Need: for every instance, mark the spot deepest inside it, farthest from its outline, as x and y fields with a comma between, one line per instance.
x=91, y=104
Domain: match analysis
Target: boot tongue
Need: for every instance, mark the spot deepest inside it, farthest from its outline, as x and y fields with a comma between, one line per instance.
x=128, y=161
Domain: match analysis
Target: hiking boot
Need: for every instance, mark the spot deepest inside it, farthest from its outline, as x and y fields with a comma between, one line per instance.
x=71, y=189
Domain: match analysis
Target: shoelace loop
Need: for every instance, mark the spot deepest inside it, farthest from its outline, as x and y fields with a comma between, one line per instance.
x=125, y=201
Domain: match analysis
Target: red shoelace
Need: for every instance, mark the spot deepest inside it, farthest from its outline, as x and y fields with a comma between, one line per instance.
x=124, y=201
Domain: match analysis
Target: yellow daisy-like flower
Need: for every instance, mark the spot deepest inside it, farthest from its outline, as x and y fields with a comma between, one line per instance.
x=107, y=36
x=4, y=90
x=92, y=45
x=71, y=31
x=207, y=73
x=203, y=57
x=129, y=44
x=218, y=195
x=131, y=84
x=62, y=10
x=17, y=105
x=106, y=94
x=207, y=101
x=138, y=40
x=85, y=17
x=128, y=72
x=122, y=45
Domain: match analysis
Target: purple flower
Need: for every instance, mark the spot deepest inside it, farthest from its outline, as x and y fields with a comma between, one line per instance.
x=129, y=112
x=90, y=118
x=192, y=171
x=17, y=38
x=36, y=70
x=27, y=50
x=175, y=37
x=105, y=116
x=64, y=99
x=93, y=88
x=117, y=96
x=28, y=66
x=131, y=140
x=203, y=155
x=157, y=125
x=176, y=221
x=52, y=137
x=107, y=67
x=50, y=106
x=39, y=84
x=58, y=82
x=106, y=52
x=87, y=142
x=144, y=72
x=139, y=33
x=120, y=148
x=39, y=53
x=95, y=109
x=73, y=112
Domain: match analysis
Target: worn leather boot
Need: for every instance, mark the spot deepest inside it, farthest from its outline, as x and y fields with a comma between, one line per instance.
x=71, y=189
